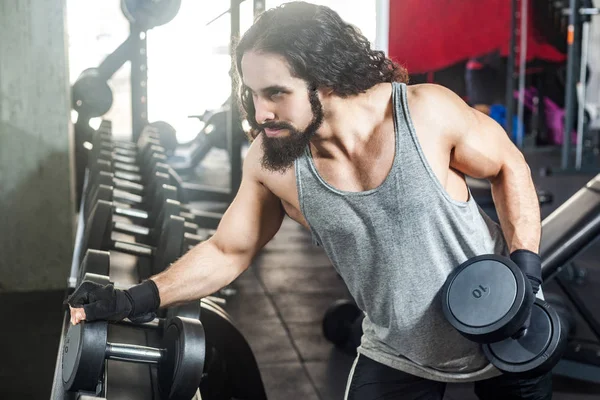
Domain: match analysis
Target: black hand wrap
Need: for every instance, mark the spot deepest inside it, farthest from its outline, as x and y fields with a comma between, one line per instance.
x=104, y=302
x=531, y=265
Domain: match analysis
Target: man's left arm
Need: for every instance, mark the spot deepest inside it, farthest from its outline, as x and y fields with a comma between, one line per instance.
x=479, y=147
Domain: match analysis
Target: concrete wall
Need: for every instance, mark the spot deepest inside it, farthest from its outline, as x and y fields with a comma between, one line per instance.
x=36, y=184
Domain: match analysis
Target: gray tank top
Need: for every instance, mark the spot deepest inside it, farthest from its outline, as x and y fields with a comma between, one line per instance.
x=394, y=246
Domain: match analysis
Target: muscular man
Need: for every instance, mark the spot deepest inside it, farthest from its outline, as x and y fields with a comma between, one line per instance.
x=375, y=170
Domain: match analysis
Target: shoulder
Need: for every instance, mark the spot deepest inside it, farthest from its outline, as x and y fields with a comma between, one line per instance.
x=440, y=106
x=252, y=161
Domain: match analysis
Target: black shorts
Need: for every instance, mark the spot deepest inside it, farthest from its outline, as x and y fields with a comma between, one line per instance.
x=370, y=380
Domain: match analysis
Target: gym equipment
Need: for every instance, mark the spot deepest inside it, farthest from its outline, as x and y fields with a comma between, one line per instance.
x=230, y=368
x=338, y=321
x=147, y=14
x=98, y=235
x=151, y=201
x=180, y=360
x=167, y=194
x=166, y=134
x=91, y=95
x=487, y=299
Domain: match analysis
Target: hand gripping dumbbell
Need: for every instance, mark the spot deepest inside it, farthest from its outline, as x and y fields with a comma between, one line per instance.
x=98, y=235
x=96, y=265
x=488, y=299
x=180, y=359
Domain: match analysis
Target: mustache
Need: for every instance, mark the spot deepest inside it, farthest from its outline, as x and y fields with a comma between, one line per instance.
x=275, y=126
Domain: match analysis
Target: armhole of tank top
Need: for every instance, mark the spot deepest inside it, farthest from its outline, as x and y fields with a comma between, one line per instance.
x=403, y=98
x=314, y=237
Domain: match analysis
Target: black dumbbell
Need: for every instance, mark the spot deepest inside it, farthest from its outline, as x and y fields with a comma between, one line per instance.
x=180, y=359
x=487, y=299
x=340, y=322
x=203, y=219
x=194, y=219
x=160, y=165
x=95, y=267
x=151, y=202
x=98, y=235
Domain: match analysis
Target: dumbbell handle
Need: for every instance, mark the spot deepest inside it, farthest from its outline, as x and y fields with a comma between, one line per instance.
x=131, y=212
x=134, y=353
x=133, y=229
x=135, y=249
x=123, y=195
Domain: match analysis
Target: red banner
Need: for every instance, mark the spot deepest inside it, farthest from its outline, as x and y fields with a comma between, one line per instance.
x=428, y=35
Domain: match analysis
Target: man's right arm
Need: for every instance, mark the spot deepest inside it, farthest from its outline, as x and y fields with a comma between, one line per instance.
x=250, y=222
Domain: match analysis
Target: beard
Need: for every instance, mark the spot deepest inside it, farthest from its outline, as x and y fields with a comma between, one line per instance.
x=279, y=153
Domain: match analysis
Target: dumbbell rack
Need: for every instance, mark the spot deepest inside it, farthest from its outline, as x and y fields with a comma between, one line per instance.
x=121, y=380
x=139, y=381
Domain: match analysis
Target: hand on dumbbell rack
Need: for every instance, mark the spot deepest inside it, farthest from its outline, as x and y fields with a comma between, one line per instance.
x=180, y=359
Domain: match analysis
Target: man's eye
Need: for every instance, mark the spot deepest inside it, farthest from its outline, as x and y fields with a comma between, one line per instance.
x=275, y=94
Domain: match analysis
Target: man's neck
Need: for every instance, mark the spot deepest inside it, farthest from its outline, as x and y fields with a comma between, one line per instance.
x=350, y=123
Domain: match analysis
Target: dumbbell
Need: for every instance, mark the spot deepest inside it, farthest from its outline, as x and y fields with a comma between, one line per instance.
x=104, y=138
x=133, y=172
x=180, y=359
x=342, y=325
x=130, y=192
x=161, y=163
x=98, y=235
x=203, y=219
x=487, y=299
x=154, y=198
x=199, y=219
x=95, y=267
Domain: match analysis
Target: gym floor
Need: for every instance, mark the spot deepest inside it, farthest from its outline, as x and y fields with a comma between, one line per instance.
x=279, y=306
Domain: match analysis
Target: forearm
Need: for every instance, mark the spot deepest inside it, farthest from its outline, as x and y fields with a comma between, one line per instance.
x=199, y=273
x=518, y=208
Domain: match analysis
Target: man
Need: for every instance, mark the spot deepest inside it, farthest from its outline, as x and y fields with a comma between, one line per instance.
x=375, y=170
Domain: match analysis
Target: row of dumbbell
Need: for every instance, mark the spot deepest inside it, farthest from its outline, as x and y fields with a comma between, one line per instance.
x=166, y=236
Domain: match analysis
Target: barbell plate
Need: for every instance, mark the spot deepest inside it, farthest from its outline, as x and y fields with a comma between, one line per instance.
x=180, y=373
x=83, y=355
x=486, y=298
x=147, y=14
x=537, y=351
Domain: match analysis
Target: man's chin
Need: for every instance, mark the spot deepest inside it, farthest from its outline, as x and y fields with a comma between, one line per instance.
x=277, y=167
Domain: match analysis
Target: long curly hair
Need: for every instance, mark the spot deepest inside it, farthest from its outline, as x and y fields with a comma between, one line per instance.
x=320, y=48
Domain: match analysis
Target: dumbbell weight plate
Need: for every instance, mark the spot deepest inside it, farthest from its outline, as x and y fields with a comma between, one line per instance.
x=337, y=321
x=95, y=262
x=178, y=375
x=83, y=355
x=486, y=298
x=179, y=370
x=537, y=351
